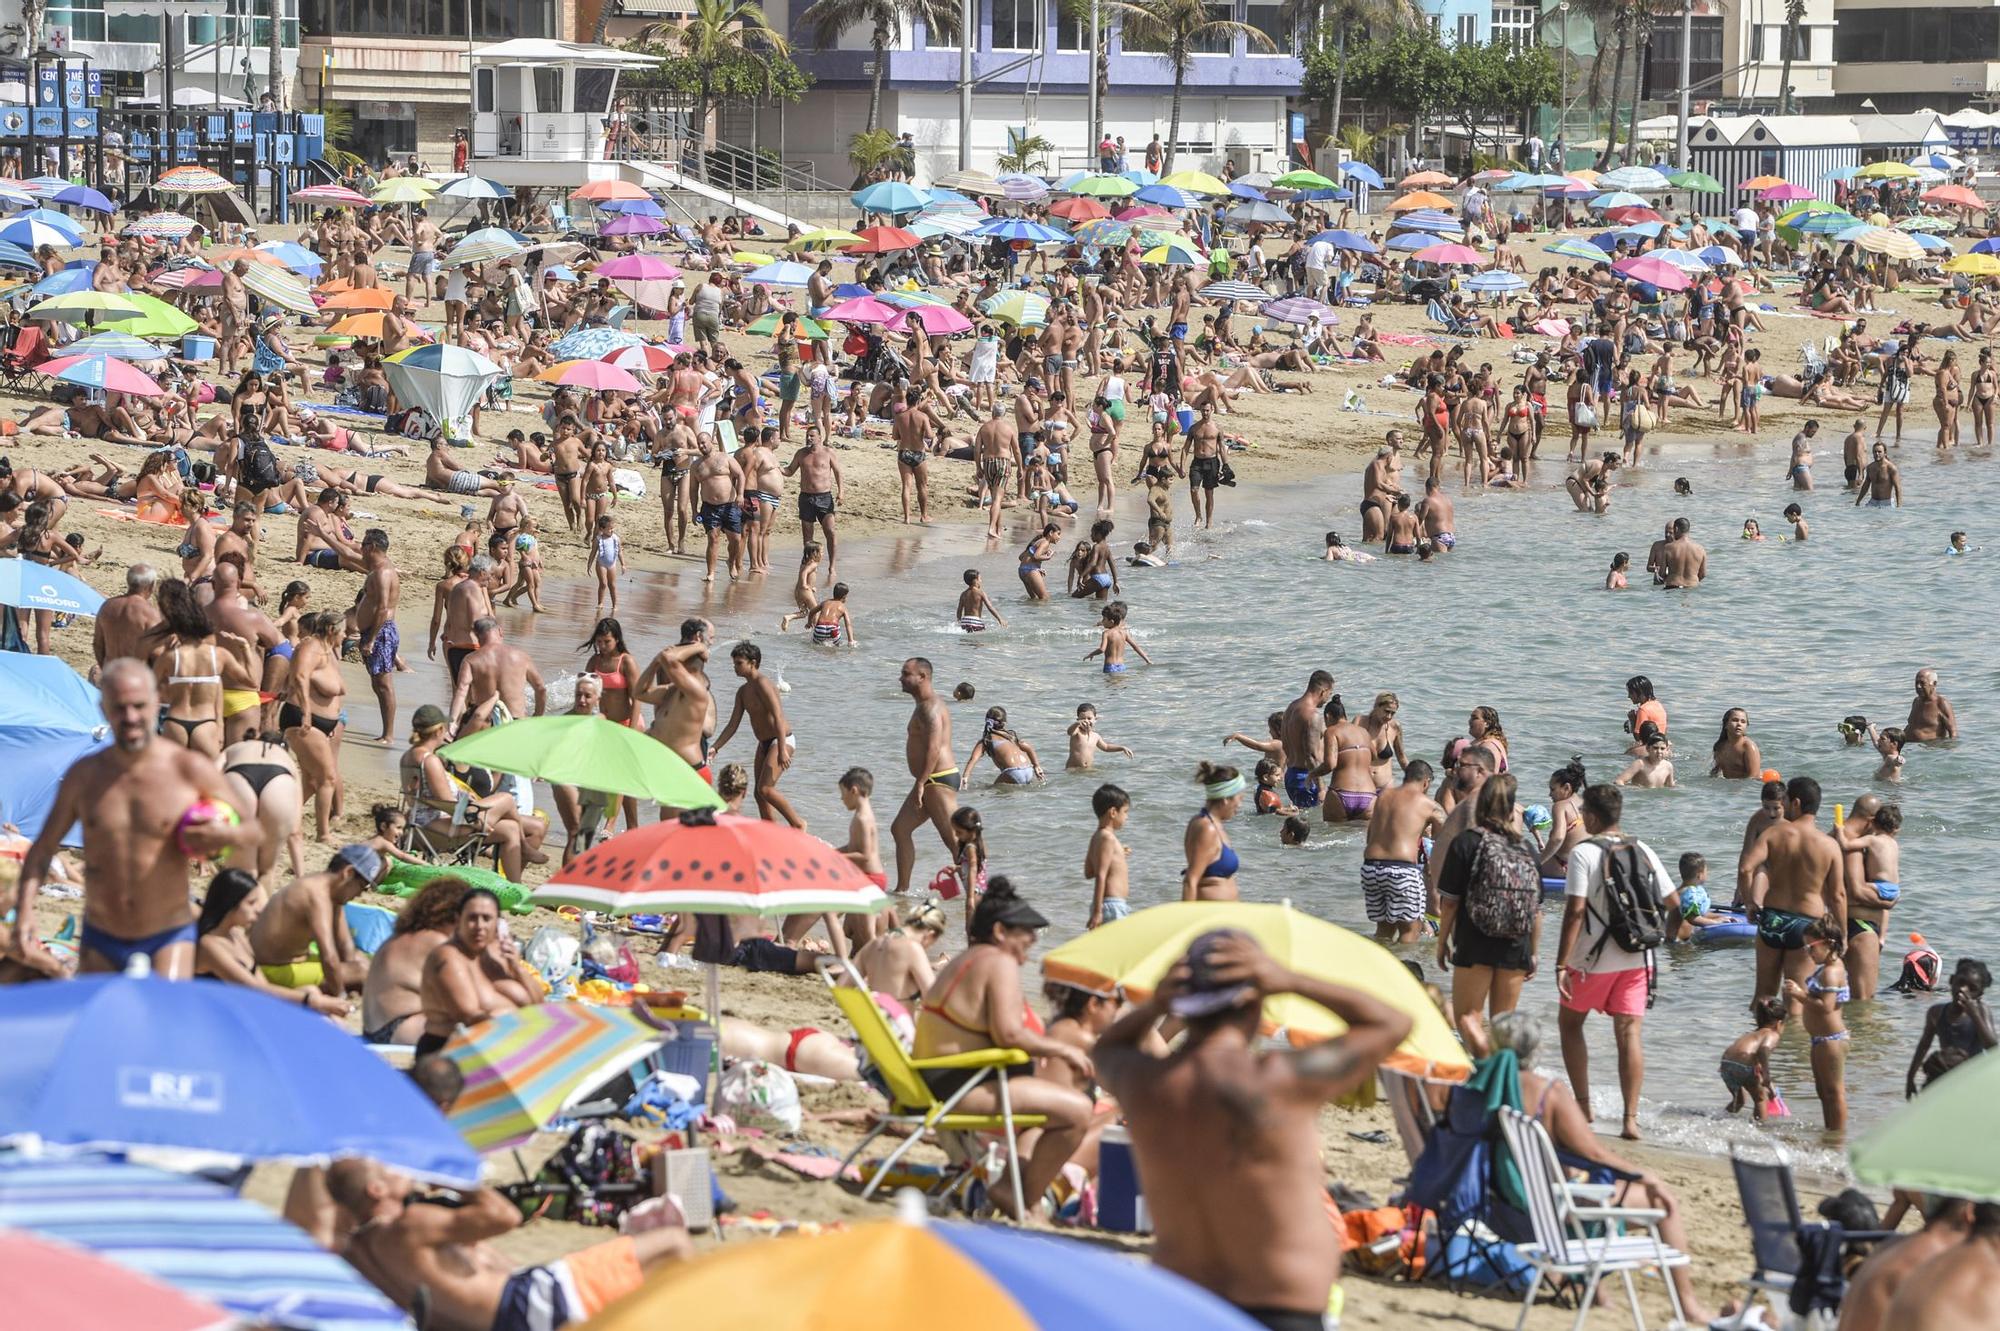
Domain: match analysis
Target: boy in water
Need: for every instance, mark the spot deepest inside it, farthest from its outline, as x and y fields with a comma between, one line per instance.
x=1143, y=556
x=1696, y=908
x=1294, y=831
x=757, y=697
x=1160, y=512
x=1115, y=638
x=1888, y=743
x=1104, y=861
x=1797, y=517
x=862, y=848
x=1270, y=799
x=1746, y=1064
x=830, y=622
x=1084, y=741
x=1654, y=768
x=973, y=605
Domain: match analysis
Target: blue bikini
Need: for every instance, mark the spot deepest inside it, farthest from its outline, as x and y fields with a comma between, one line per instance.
x=1226, y=862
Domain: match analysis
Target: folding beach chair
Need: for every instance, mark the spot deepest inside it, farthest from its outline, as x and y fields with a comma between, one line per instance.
x=1782, y=1243
x=1577, y=1235
x=1442, y=316
x=1410, y=1104
x=912, y=1104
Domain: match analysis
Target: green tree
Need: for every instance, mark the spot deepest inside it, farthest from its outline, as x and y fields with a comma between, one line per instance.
x=1795, y=13
x=1408, y=70
x=1336, y=19
x=1173, y=30
x=1498, y=82
x=830, y=18
x=869, y=149
x=718, y=35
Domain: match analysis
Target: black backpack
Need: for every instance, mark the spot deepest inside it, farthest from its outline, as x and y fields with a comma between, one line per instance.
x=259, y=469
x=1634, y=917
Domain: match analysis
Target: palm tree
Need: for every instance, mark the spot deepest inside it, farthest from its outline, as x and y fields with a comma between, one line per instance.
x=1173, y=29
x=1029, y=154
x=274, y=56
x=716, y=32
x=1339, y=15
x=830, y=18
x=1621, y=13
x=870, y=149
x=1795, y=13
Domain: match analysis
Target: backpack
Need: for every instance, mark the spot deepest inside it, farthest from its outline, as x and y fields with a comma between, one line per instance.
x=259, y=470
x=1633, y=916
x=1503, y=894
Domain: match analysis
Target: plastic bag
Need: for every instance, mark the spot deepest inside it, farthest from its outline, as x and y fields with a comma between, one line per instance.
x=553, y=953
x=760, y=1095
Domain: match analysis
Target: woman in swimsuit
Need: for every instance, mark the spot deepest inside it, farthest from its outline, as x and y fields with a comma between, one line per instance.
x=278, y=659
x=1348, y=750
x=1824, y=990
x=1735, y=754
x=1566, y=818
x=1211, y=861
x=1037, y=553
x=897, y=961
x=1385, y=732
x=1947, y=395
x=187, y=662
x=1484, y=727
x=1010, y=753
x=310, y=715
x=222, y=948
x=1985, y=382
x=617, y=672
x=266, y=782
x=976, y=1003
x=1104, y=451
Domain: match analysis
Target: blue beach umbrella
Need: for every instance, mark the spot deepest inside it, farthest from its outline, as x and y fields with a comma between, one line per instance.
x=49, y=718
x=294, y=256
x=66, y=282
x=32, y=233
x=1931, y=244
x=81, y=196
x=781, y=274
x=1843, y=174
x=1990, y=245
x=1715, y=256
x=1349, y=240
x=48, y=216
x=632, y=208
x=13, y=256
x=592, y=343
x=890, y=196
x=1496, y=283
x=1167, y=196
x=1362, y=172
x=1140, y=176
x=1427, y=219
x=1017, y=228
x=1617, y=199
x=122, y=1061
x=1243, y=191
x=474, y=187
x=124, y=346
x=1410, y=240
x=1569, y=247
x=1634, y=178
x=446, y=381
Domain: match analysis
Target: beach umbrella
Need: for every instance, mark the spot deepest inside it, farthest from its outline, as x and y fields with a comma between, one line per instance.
x=1639, y=178
x=1455, y=255
x=970, y=182
x=1078, y=209
x=1990, y=245
x=1296, y=310
x=1019, y=188
x=56, y=1287
x=1244, y=214
x=1695, y=182
x=781, y=274
x=883, y=240
x=1881, y=240
x=1760, y=182
x=1195, y=182
x=928, y=225
x=860, y=310
x=1930, y=244
x=293, y=256
x=155, y=318
x=1175, y=251
x=1570, y=247
x=1887, y=171
x=1409, y=241
x=1141, y=177
x=824, y=239
x=1658, y=272
x=64, y=282
x=337, y=196
x=403, y=189
x=82, y=196
x=590, y=343
x=604, y=191
x=484, y=246
x=474, y=187
x=1023, y=309
x=1349, y=240
x=161, y=226
x=107, y=373
x=1360, y=171
x=31, y=233
x=1426, y=180
x=1617, y=199
x=1628, y=215
x=361, y=298
x=1941, y=1142
x=1135, y=952
x=1681, y=259
x=1167, y=196
x=49, y=715
x=807, y=328
x=187, y=1233
x=1020, y=228
x=1842, y=174
x=632, y=208
x=525, y=1067
x=444, y=380
x=1105, y=187
x=222, y=258
x=1103, y=231
x=1303, y=179
x=711, y=864
x=1785, y=192
x=596, y=375
x=951, y=201
x=1228, y=292
x=1242, y=189
x=1167, y=219
x=991, y=1278
x=1717, y=256
x=368, y=323
x=125, y=1061
x=1428, y=220
x=890, y=196
x=13, y=256
x=587, y=751
x=632, y=224
x=1548, y=180
x=1936, y=161
x=1421, y=199
x=1979, y=263
x=643, y=268
x=1496, y=283
x=644, y=357
x=279, y=287
x=1954, y=196
x=1821, y=223
x=191, y=180
x=1922, y=223
x=14, y=195
x=937, y=320
x=122, y=345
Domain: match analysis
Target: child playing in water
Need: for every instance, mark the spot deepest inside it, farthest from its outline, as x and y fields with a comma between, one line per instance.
x=1338, y=550
x=1746, y=1064
x=1797, y=517
x=1084, y=741
x=1143, y=556
x=805, y=590
x=968, y=861
x=973, y=605
x=1104, y=861
x=1269, y=798
x=831, y=625
x=1960, y=1028
x=608, y=563
x=1751, y=531
x=1888, y=743
x=1114, y=640
x=1654, y=768
x=1697, y=910
x=1614, y=581
x=1957, y=545
x=732, y=783
x=1160, y=512
x=528, y=576
x=1294, y=831
x=863, y=849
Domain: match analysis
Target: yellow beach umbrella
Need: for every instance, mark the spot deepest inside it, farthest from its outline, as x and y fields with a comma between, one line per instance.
x=404, y=189
x=827, y=238
x=1974, y=265
x=1135, y=952
x=1195, y=182
x=1887, y=171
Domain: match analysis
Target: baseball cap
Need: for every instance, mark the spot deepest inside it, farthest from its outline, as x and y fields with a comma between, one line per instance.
x=428, y=717
x=361, y=858
x=1205, y=994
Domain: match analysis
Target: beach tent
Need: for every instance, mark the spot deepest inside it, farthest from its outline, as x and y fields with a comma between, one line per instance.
x=49, y=718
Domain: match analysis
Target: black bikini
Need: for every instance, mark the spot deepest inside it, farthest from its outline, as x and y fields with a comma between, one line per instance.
x=258, y=775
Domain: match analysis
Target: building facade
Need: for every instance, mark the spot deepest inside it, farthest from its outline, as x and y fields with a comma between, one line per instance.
x=225, y=56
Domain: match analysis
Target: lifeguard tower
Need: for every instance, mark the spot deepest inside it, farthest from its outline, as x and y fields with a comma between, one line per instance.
x=546, y=114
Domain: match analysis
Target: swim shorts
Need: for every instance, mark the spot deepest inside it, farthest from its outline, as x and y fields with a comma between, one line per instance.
x=724, y=517
x=1781, y=929
x=1615, y=993
x=815, y=504
x=1205, y=472
x=1300, y=787
x=465, y=482
x=1393, y=891
x=1116, y=908
x=381, y=658
x=544, y=1298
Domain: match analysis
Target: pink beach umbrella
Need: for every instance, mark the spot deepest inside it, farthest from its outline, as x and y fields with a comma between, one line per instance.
x=592, y=374
x=644, y=356
x=1785, y=193
x=1457, y=255
x=1646, y=268
x=938, y=320
x=861, y=310
x=638, y=267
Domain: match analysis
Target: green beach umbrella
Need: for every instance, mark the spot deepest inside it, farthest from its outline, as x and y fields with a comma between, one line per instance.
x=1104, y=187
x=808, y=328
x=1940, y=1142
x=1303, y=180
x=155, y=318
x=1697, y=181
x=590, y=752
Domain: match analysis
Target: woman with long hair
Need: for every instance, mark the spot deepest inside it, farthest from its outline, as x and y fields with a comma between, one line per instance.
x=390, y=1010
x=310, y=715
x=1484, y=727
x=1348, y=753
x=222, y=948
x=1013, y=756
x=1487, y=969
x=1385, y=732
x=1820, y=997
x=1735, y=755
x=188, y=658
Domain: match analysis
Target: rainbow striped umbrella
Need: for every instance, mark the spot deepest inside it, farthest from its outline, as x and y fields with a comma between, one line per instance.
x=526, y=1066
x=191, y=180
x=280, y=287
x=162, y=226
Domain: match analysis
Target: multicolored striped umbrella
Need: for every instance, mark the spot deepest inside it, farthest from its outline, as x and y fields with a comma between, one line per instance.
x=1234, y=291
x=1023, y=309
x=1020, y=228
x=1019, y=188
x=335, y=196
x=122, y=345
x=194, y=1236
x=162, y=226
x=712, y=864
x=526, y=1066
x=1177, y=252
x=191, y=180
x=592, y=343
x=279, y=287
x=1296, y=310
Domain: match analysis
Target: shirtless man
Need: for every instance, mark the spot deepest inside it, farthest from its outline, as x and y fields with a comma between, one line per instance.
x=1850, y=453
x=683, y=705
x=1254, y=1234
x=1303, y=734
x=124, y=621
x=469, y=601
x=995, y=444
x=1474, y=431
x=434, y=1254
x=1201, y=462
x=494, y=675
x=1029, y=412
x=1403, y=530
x=1874, y=1286
x=423, y=257
x=912, y=430
x=1392, y=875
x=1958, y=1288
x=134, y=799
x=1382, y=479
x=719, y=484
x=1931, y=717
x=310, y=910
x=1882, y=484
x=443, y=474
x=820, y=492
x=1799, y=868
x=763, y=481
x=758, y=698
x=1438, y=516
x=927, y=749
x=375, y=621
x=1682, y=562
x=1872, y=877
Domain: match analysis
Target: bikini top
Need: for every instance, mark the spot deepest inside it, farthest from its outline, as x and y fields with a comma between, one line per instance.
x=1815, y=988
x=213, y=665
x=1226, y=862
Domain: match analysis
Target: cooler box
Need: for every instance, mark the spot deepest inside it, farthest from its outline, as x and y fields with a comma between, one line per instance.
x=1121, y=1205
x=197, y=346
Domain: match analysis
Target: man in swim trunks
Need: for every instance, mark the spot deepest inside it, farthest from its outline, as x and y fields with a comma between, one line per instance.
x=470, y=601
x=494, y=682
x=375, y=621
x=820, y=492
x=1201, y=460
x=1794, y=873
x=434, y=1254
x=134, y=799
x=718, y=480
x=123, y=621
x=927, y=750
x=1392, y=874
x=1931, y=717
x=1437, y=515
x=1882, y=484
x=1682, y=562
x=759, y=700
x=683, y=706
x=442, y=473
x=1871, y=874
x=1302, y=735
x=309, y=913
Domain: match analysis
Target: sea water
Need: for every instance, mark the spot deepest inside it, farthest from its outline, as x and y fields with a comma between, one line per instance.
x=1799, y=634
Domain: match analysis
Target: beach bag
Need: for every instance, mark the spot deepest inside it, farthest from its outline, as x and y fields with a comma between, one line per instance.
x=1503, y=893
x=760, y=1095
x=1643, y=418
x=1586, y=416
x=260, y=467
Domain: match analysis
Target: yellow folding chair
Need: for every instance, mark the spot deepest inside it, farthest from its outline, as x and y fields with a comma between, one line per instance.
x=912, y=1103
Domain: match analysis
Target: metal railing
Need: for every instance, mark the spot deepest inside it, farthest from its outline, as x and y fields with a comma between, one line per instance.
x=796, y=191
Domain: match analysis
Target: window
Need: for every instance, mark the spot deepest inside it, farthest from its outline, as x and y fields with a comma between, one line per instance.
x=548, y=89
x=1073, y=30
x=1468, y=29
x=1514, y=25
x=1216, y=42
x=1014, y=25
x=1783, y=43
x=1269, y=19
x=492, y=20
x=1917, y=35
x=85, y=20
x=482, y=88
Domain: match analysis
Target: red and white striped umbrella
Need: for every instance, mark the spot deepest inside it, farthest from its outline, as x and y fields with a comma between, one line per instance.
x=645, y=356
x=339, y=196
